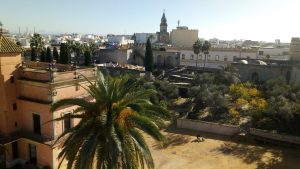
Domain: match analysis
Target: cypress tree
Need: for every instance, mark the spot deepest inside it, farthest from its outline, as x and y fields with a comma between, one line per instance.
x=43, y=56
x=33, y=54
x=148, y=62
x=48, y=55
x=65, y=57
x=55, y=54
x=87, y=58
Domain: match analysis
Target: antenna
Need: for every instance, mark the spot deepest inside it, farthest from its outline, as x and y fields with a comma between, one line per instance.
x=178, y=23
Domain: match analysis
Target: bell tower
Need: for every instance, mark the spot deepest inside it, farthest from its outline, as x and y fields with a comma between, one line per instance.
x=163, y=34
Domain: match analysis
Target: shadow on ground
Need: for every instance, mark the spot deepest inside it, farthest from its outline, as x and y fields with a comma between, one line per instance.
x=264, y=156
x=172, y=140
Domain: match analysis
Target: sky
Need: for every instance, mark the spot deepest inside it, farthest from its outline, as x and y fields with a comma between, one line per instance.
x=262, y=20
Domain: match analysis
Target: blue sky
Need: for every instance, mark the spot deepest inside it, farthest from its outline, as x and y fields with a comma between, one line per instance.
x=224, y=19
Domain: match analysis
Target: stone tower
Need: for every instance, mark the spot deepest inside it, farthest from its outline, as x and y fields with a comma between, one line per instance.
x=163, y=34
x=295, y=49
x=10, y=59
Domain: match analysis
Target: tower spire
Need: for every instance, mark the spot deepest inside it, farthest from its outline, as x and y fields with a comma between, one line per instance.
x=1, y=28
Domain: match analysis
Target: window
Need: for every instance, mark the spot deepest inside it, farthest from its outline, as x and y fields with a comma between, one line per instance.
x=225, y=58
x=234, y=58
x=217, y=57
x=36, y=124
x=208, y=57
x=32, y=153
x=67, y=121
x=260, y=53
x=12, y=79
x=183, y=56
x=192, y=57
x=15, y=150
x=200, y=57
x=15, y=106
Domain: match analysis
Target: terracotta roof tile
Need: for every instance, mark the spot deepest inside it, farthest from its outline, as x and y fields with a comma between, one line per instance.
x=7, y=46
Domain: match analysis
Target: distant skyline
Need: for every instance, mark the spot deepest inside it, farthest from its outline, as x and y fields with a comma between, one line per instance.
x=262, y=20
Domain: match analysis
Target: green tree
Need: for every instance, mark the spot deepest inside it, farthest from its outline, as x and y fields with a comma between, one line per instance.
x=148, y=59
x=205, y=49
x=108, y=135
x=65, y=55
x=37, y=42
x=197, y=47
x=55, y=54
x=87, y=58
x=33, y=54
x=43, y=56
x=49, y=55
x=93, y=47
x=77, y=48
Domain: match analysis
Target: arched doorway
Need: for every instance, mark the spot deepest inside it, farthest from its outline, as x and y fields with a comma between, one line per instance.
x=255, y=78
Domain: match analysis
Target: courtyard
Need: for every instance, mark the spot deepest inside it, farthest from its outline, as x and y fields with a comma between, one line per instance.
x=182, y=151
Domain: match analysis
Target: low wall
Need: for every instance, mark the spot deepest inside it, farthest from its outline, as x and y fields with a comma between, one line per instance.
x=208, y=127
x=275, y=136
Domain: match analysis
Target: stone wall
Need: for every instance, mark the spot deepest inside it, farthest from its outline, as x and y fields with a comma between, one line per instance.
x=275, y=136
x=262, y=73
x=208, y=127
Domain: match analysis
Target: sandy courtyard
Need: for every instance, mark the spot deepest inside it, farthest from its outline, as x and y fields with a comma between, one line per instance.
x=182, y=152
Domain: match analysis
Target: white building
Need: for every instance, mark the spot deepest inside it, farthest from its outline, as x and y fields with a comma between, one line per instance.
x=183, y=37
x=273, y=53
x=217, y=56
x=141, y=38
x=119, y=39
x=24, y=42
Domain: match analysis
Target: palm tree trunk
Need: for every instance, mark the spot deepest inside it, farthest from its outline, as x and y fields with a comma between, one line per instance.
x=197, y=61
x=204, y=62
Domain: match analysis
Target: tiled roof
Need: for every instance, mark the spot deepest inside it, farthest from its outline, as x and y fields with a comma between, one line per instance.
x=7, y=46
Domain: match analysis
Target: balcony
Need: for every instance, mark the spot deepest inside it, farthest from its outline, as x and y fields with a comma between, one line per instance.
x=23, y=134
x=46, y=72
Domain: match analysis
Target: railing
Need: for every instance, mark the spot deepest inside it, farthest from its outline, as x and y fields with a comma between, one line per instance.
x=25, y=135
x=43, y=74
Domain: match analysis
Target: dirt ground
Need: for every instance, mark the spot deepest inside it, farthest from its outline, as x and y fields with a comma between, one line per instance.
x=216, y=152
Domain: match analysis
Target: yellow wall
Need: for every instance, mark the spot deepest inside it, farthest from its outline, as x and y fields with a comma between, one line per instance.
x=184, y=37
x=8, y=117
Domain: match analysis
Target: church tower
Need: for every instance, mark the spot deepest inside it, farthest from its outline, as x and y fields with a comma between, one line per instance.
x=163, y=34
x=163, y=24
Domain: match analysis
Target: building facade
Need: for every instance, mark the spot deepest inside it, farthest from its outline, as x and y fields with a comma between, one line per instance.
x=183, y=37
x=217, y=57
x=295, y=49
x=27, y=93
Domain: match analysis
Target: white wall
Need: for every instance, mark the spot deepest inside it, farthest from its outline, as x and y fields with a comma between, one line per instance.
x=208, y=127
x=143, y=37
x=215, y=59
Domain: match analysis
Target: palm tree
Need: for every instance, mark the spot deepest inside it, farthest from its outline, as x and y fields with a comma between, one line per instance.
x=197, y=47
x=108, y=135
x=205, y=49
x=77, y=48
x=37, y=42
